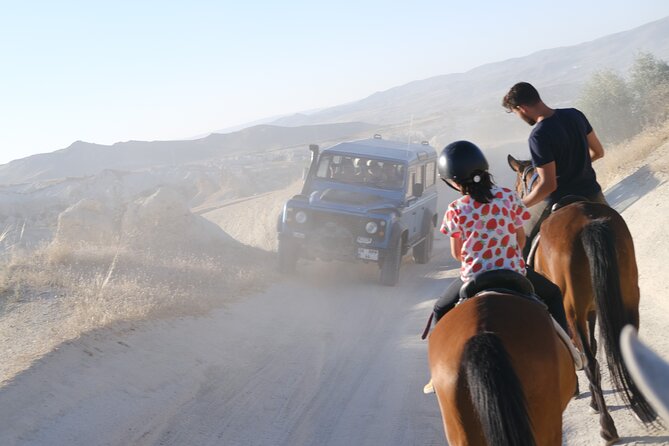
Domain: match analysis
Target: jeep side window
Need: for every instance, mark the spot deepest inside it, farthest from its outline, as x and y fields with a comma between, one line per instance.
x=415, y=177
x=412, y=181
x=430, y=174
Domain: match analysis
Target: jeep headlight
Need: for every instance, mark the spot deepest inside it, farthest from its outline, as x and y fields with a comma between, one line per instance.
x=301, y=217
x=371, y=227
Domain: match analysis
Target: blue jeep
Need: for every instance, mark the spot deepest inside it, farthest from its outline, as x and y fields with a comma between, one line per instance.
x=370, y=200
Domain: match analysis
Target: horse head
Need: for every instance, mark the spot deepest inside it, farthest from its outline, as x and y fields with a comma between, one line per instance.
x=526, y=175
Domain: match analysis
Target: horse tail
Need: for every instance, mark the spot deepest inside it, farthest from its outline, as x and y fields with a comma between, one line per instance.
x=598, y=241
x=497, y=396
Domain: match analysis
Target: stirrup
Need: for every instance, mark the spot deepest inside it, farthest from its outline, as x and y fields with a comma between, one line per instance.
x=580, y=360
x=533, y=250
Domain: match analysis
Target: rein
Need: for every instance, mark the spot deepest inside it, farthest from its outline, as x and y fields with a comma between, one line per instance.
x=427, y=327
x=527, y=186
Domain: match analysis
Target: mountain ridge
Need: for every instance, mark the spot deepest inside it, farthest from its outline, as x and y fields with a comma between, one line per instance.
x=438, y=109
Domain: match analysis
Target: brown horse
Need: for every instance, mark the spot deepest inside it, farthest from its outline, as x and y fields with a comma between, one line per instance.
x=587, y=250
x=502, y=375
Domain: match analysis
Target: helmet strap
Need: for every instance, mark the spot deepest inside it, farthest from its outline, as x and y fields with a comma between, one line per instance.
x=451, y=186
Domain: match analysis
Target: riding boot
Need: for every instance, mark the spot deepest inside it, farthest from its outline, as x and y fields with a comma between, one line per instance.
x=556, y=309
x=551, y=295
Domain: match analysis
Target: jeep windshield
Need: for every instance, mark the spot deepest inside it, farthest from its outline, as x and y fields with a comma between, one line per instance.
x=352, y=169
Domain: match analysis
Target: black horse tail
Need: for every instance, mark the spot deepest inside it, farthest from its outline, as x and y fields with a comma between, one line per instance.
x=599, y=243
x=496, y=393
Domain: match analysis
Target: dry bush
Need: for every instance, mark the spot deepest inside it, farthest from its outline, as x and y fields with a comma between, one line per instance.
x=623, y=159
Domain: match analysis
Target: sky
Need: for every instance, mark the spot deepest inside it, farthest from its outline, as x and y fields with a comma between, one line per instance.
x=105, y=72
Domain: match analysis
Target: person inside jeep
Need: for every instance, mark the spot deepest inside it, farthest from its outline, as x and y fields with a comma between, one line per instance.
x=392, y=177
x=375, y=173
x=346, y=170
x=383, y=174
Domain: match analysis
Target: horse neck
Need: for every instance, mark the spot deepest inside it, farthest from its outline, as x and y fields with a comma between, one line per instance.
x=535, y=213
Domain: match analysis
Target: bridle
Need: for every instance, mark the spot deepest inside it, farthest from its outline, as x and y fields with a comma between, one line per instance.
x=527, y=186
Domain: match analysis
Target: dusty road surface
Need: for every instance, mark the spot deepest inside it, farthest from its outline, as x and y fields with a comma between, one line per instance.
x=328, y=357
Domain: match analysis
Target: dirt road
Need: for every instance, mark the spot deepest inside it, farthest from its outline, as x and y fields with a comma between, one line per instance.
x=328, y=358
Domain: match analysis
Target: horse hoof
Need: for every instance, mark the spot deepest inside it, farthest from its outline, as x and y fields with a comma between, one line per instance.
x=593, y=410
x=610, y=436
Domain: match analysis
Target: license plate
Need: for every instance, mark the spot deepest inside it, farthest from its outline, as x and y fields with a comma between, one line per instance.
x=368, y=254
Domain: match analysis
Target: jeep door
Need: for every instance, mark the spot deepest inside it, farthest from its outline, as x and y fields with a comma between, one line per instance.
x=414, y=203
x=421, y=199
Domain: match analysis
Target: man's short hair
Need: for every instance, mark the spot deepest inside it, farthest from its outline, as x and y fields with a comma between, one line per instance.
x=522, y=93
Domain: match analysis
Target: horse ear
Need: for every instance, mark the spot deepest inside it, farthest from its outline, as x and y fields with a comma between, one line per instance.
x=514, y=163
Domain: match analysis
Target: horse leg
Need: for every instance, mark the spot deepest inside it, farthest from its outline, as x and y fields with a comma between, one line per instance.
x=571, y=323
x=583, y=344
x=592, y=319
x=607, y=427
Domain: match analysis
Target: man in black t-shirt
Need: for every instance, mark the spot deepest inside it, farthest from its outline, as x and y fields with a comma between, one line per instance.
x=563, y=146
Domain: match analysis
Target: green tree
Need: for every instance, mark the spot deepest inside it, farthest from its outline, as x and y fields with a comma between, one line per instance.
x=649, y=82
x=609, y=104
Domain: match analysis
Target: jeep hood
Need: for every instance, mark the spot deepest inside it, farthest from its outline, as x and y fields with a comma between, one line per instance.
x=350, y=201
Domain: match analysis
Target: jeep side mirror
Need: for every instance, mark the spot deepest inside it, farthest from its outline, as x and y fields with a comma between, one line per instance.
x=417, y=189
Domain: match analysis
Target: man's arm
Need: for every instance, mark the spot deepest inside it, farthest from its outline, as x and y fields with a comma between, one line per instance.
x=595, y=146
x=545, y=185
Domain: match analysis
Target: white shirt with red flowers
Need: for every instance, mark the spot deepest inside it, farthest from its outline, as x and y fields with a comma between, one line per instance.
x=488, y=232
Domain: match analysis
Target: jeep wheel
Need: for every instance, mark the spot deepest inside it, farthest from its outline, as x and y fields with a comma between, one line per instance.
x=422, y=252
x=287, y=256
x=390, y=268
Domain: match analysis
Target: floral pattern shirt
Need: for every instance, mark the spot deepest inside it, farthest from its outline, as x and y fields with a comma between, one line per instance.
x=488, y=232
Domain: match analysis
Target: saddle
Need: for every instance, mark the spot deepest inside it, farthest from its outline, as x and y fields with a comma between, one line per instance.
x=511, y=282
x=567, y=200
x=500, y=280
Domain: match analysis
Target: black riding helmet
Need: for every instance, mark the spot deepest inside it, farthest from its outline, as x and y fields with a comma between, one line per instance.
x=461, y=161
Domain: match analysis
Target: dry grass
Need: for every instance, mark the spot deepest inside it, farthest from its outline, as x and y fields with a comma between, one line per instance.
x=110, y=284
x=621, y=160
x=58, y=292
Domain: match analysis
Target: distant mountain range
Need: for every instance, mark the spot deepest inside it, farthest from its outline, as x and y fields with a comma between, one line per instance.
x=468, y=105
x=83, y=158
x=439, y=109
x=559, y=72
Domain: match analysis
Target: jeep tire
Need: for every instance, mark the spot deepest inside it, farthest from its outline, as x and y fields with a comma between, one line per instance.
x=390, y=268
x=288, y=253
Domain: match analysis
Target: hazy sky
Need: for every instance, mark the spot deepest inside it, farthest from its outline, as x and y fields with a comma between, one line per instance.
x=156, y=70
